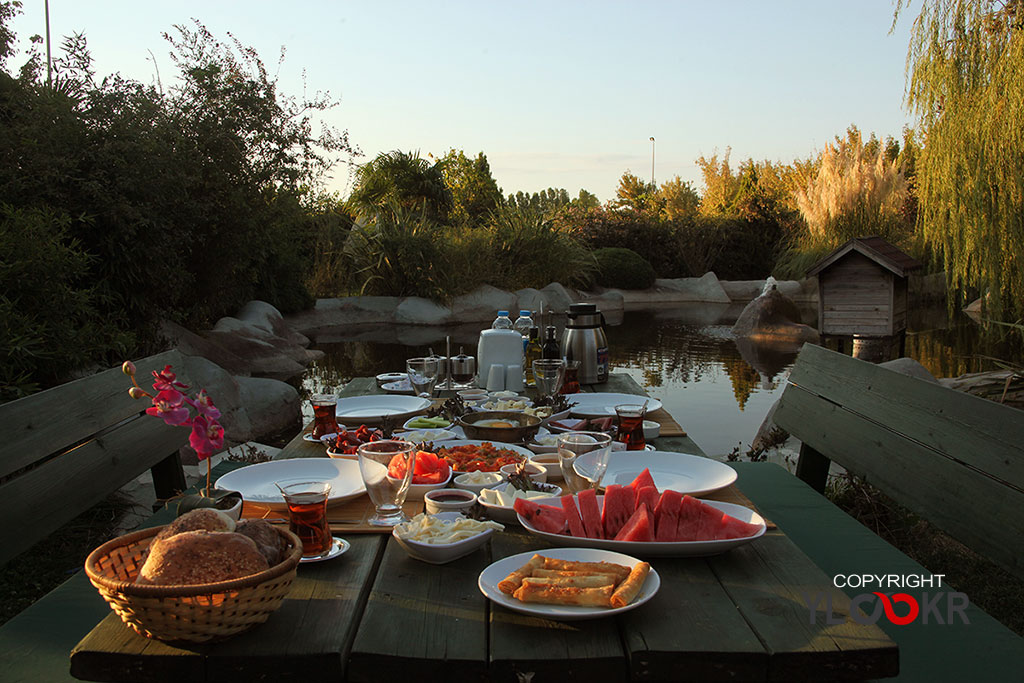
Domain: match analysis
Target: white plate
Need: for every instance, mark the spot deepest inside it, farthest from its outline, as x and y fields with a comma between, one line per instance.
x=338, y=547
x=525, y=452
x=256, y=482
x=406, y=425
x=657, y=548
x=692, y=474
x=419, y=435
x=372, y=409
x=603, y=404
x=392, y=377
x=402, y=386
x=496, y=572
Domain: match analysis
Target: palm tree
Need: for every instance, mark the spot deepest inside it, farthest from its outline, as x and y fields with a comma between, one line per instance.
x=401, y=179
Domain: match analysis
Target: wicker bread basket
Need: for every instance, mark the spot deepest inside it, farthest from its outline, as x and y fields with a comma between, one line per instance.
x=196, y=613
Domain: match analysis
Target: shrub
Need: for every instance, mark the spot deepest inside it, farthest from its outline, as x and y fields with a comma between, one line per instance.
x=657, y=241
x=623, y=269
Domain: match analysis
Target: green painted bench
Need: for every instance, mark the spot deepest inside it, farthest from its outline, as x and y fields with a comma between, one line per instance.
x=954, y=459
x=64, y=450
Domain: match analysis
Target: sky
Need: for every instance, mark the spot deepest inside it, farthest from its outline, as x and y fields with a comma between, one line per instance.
x=557, y=94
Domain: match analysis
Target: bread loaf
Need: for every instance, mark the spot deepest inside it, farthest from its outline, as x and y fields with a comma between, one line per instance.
x=193, y=557
x=208, y=519
x=270, y=543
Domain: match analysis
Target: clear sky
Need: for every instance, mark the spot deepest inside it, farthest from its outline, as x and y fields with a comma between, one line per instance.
x=556, y=93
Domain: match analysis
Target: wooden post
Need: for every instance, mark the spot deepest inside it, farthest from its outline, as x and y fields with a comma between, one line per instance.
x=812, y=467
x=168, y=477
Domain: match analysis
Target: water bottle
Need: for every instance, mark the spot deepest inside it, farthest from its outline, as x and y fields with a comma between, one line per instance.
x=522, y=325
x=502, y=322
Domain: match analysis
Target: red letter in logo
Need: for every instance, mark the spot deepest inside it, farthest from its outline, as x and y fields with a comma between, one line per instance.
x=891, y=614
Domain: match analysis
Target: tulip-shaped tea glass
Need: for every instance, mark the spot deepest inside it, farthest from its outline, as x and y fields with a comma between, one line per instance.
x=387, y=492
x=629, y=421
x=307, y=514
x=422, y=375
x=548, y=374
x=325, y=419
x=583, y=458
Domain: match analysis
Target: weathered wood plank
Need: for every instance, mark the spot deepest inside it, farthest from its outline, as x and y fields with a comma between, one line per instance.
x=520, y=644
x=52, y=494
x=982, y=434
x=768, y=580
x=442, y=616
x=974, y=508
x=51, y=421
x=659, y=650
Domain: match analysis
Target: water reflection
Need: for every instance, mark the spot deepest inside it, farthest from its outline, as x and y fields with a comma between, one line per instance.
x=718, y=388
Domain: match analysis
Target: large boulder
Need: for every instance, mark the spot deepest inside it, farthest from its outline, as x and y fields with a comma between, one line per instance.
x=742, y=290
x=910, y=368
x=557, y=298
x=775, y=317
x=226, y=395
x=263, y=316
x=415, y=310
x=483, y=304
x=344, y=311
x=706, y=289
x=271, y=404
x=267, y=345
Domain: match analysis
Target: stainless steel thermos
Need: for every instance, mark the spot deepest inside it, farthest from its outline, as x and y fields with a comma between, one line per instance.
x=584, y=340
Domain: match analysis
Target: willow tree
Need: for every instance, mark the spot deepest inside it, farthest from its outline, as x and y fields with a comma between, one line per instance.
x=965, y=86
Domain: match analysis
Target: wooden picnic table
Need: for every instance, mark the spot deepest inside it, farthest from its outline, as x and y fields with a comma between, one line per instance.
x=375, y=614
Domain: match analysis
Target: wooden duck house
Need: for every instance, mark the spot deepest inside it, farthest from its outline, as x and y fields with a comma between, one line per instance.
x=862, y=289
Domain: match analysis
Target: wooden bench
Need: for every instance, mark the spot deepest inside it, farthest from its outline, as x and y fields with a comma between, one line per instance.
x=954, y=459
x=64, y=450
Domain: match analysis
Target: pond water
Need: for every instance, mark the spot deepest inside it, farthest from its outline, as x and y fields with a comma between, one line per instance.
x=684, y=355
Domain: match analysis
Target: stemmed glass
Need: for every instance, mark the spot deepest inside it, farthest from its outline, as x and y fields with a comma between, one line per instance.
x=583, y=458
x=548, y=374
x=387, y=492
x=422, y=375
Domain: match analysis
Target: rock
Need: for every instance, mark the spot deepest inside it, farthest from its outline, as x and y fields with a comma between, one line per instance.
x=353, y=310
x=264, y=341
x=226, y=394
x=271, y=404
x=557, y=298
x=262, y=315
x=530, y=299
x=705, y=288
x=607, y=300
x=910, y=368
x=483, y=304
x=742, y=290
x=415, y=310
x=773, y=316
x=191, y=344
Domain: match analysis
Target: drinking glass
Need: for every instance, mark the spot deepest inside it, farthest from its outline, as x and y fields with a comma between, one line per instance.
x=307, y=514
x=387, y=492
x=325, y=417
x=422, y=375
x=629, y=420
x=571, y=382
x=547, y=375
x=583, y=458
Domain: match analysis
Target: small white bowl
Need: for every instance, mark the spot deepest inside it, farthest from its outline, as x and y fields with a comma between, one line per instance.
x=549, y=461
x=506, y=514
x=421, y=435
x=473, y=395
x=537, y=473
x=448, y=500
x=442, y=554
x=495, y=478
x=544, y=447
x=417, y=491
x=651, y=430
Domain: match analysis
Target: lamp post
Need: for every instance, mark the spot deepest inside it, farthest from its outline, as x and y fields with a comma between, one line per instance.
x=652, y=160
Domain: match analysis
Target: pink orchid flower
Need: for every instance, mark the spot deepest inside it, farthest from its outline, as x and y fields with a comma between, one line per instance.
x=169, y=405
x=166, y=380
x=207, y=436
x=204, y=405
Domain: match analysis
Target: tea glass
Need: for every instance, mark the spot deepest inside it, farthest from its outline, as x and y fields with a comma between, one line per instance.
x=422, y=375
x=583, y=459
x=325, y=416
x=571, y=381
x=387, y=492
x=307, y=514
x=629, y=420
x=547, y=375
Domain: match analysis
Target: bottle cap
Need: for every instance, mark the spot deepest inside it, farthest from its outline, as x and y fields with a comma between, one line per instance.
x=501, y=313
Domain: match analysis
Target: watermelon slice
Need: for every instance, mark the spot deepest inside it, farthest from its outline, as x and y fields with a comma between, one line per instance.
x=572, y=517
x=545, y=518
x=734, y=528
x=643, y=479
x=647, y=495
x=619, y=504
x=590, y=513
x=689, y=521
x=666, y=515
x=638, y=527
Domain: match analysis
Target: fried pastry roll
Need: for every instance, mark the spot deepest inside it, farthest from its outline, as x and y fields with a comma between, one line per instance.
x=511, y=582
x=564, y=595
x=629, y=588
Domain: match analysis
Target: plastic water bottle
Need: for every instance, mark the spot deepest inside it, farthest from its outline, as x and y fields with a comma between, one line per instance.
x=522, y=325
x=502, y=322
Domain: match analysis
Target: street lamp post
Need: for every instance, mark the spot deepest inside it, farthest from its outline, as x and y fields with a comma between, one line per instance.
x=652, y=160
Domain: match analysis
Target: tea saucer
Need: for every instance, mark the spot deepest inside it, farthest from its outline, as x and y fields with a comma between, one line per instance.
x=308, y=436
x=338, y=547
